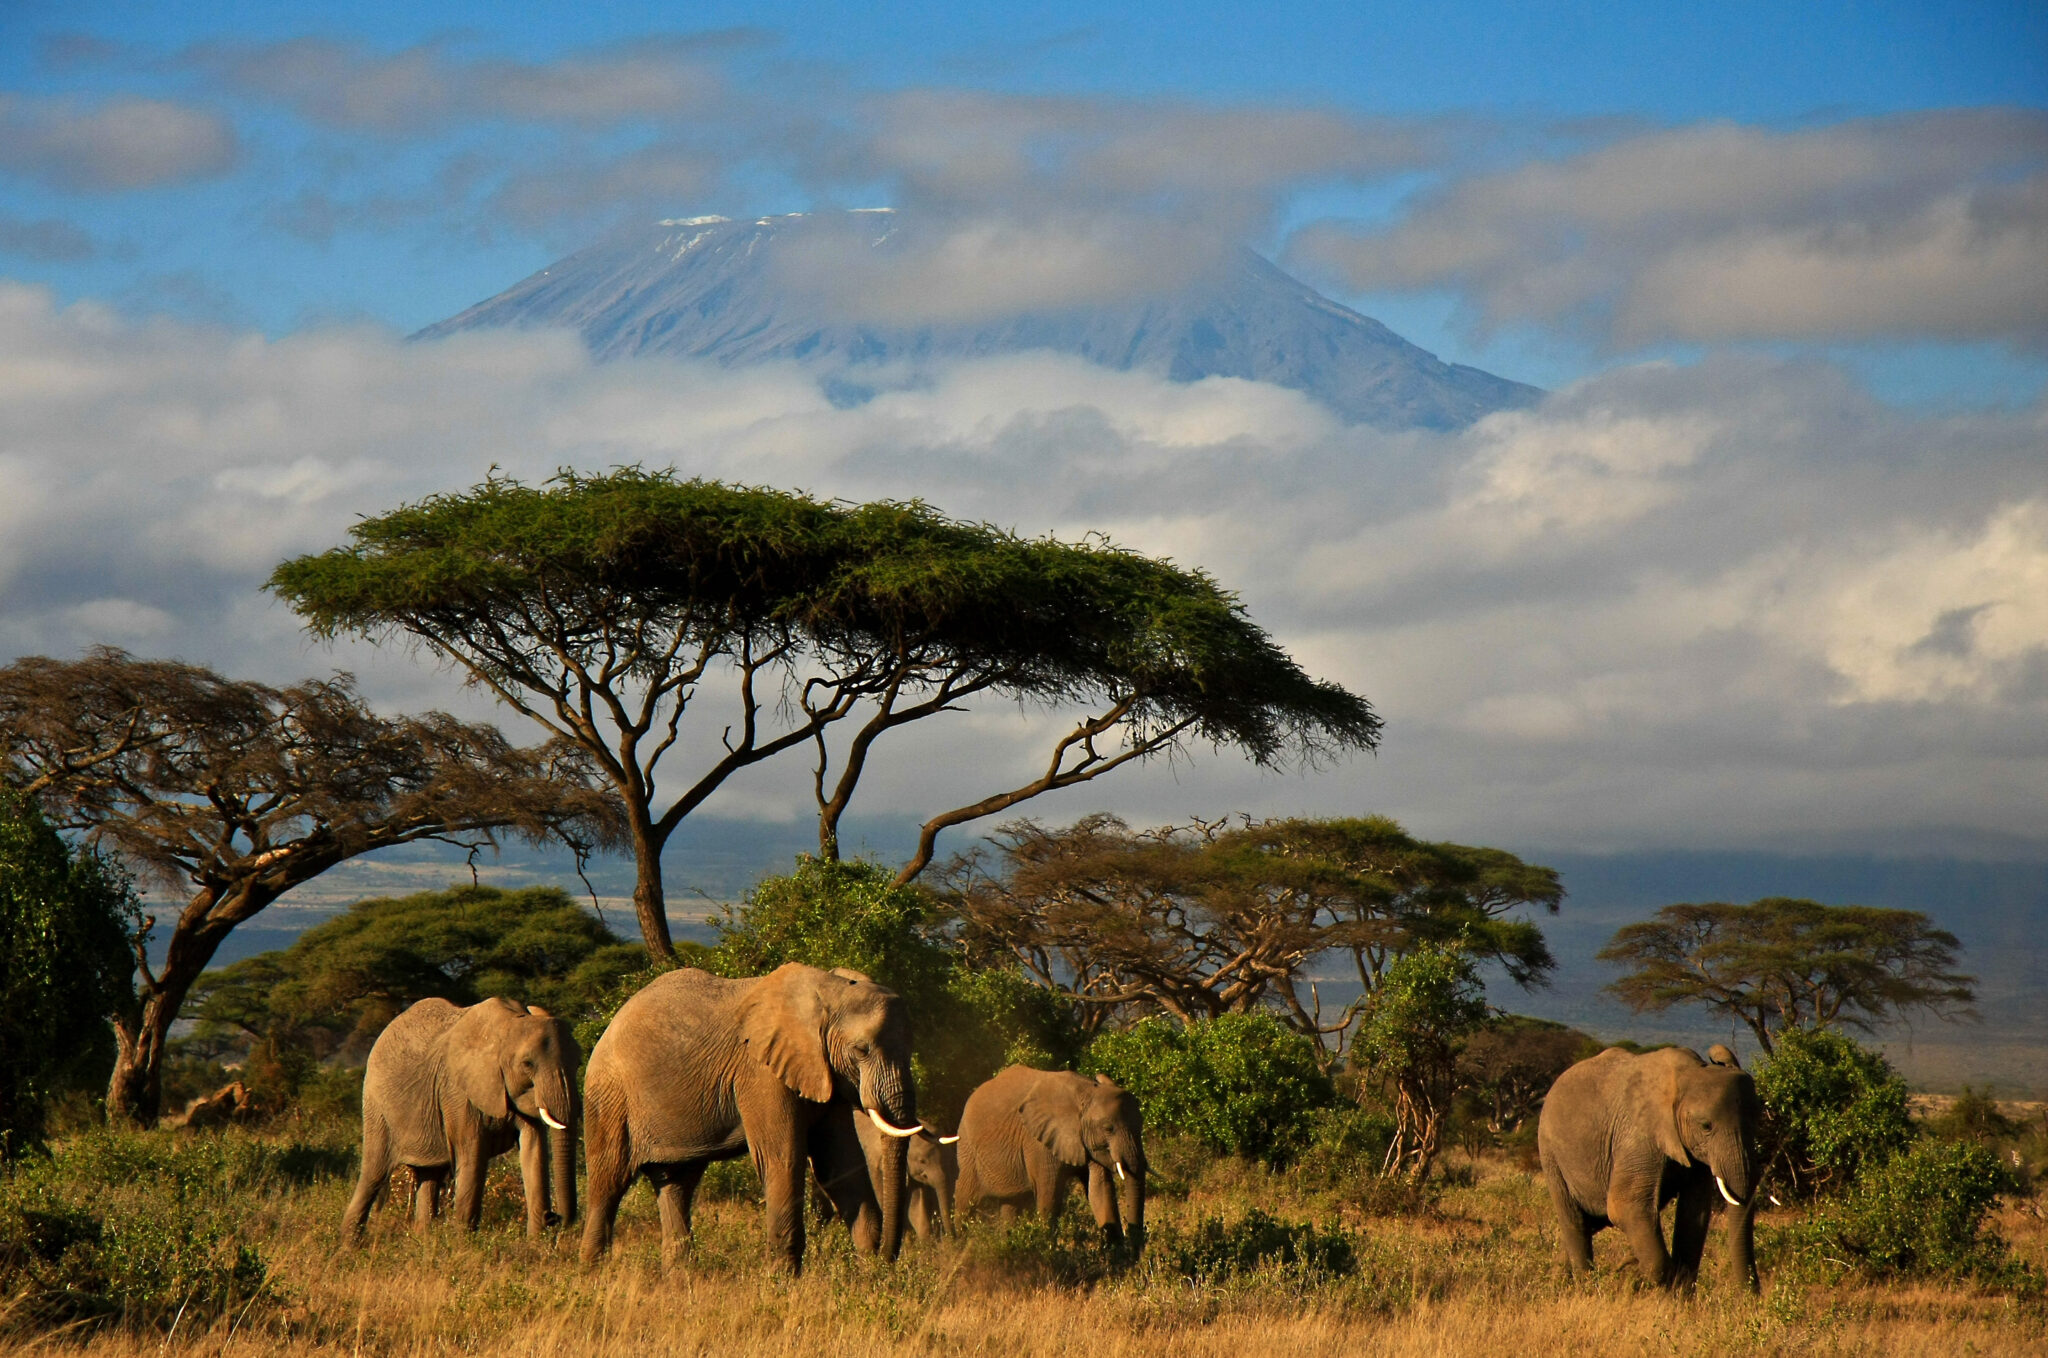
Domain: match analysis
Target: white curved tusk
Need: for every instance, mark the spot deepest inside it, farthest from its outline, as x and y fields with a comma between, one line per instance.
x=549, y=1118
x=1733, y=1201
x=876, y=1118
x=949, y=1140
x=1120, y=1170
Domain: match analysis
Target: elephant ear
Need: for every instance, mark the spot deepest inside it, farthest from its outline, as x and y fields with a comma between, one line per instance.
x=478, y=1045
x=1667, y=1090
x=1051, y=1113
x=782, y=1021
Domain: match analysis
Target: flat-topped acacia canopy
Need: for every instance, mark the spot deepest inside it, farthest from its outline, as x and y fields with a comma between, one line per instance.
x=598, y=604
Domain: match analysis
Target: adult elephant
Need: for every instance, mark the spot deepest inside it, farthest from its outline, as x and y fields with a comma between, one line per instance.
x=1027, y=1134
x=449, y=1088
x=931, y=1169
x=696, y=1068
x=1622, y=1135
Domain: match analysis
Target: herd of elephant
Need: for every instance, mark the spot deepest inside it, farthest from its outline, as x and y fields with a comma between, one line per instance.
x=809, y=1072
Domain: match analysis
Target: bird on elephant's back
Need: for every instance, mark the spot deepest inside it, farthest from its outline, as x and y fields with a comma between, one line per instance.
x=447, y=1089
x=696, y=1068
x=1026, y=1135
x=1624, y=1134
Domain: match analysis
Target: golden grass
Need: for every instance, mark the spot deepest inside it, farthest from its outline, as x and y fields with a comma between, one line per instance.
x=1477, y=1277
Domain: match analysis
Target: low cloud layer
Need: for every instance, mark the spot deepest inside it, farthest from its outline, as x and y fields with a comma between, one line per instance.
x=1923, y=224
x=1737, y=603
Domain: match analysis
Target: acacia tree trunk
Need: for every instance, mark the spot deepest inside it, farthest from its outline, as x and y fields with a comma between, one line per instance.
x=135, y=1091
x=650, y=904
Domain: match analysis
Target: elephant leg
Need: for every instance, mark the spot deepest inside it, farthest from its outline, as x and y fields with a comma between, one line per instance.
x=1640, y=1221
x=1575, y=1229
x=469, y=1185
x=609, y=1170
x=841, y=1167
x=533, y=1177
x=1048, y=1186
x=426, y=1194
x=371, y=1182
x=1689, y=1232
x=780, y=1161
x=1102, y=1201
x=924, y=1212
x=675, y=1188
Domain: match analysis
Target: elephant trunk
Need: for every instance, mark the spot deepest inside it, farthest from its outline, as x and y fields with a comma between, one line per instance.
x=893, y=1156
x=562, y=1146
x=1130, y=1205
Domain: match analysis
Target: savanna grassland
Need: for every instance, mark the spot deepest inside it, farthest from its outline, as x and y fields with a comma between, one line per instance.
x=1336, y=1264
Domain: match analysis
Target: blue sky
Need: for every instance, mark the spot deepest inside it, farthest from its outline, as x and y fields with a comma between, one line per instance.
x=1768, y=570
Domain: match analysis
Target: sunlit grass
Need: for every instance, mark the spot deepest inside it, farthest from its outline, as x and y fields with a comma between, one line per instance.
x=1472, y=1272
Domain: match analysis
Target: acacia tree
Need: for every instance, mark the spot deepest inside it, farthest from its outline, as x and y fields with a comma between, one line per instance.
x=1782, y=963
x=232, y=793
x=612, y=608
x=1211, y=919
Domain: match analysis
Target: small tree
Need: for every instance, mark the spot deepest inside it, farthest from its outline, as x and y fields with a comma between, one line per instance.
x=1510, y=1063
x=609, y=609
x=1780, y=963
x=1241, y=1084
x=1429, y=1001
x=232, y=793
x=65, y=921
x=1832, y=1109
x=1210, y=919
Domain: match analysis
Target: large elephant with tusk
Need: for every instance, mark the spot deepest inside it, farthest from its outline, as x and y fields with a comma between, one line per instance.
x=696, y=1068
x=1027, y=1134
x=1623, y=1135
x=448, y=1088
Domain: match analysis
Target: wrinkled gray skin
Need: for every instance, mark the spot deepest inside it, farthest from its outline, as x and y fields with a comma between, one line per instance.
x=1623, y=1135
x=448, y=1088
x=933, y=1168
x=1026, y=1134
x=695, y=1068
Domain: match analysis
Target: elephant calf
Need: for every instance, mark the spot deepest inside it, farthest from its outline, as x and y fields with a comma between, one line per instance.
x=1622, y=1135
x=932, y=1170
x=1027, y=1134
x=450, y=1088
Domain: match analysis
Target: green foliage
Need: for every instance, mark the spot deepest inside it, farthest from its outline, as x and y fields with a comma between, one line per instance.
x=1833, y=1109
x=1212, y=1250
x=1407, y=1042
x=339, y=983
x=1508, y=1065
x=1922, y=1214
x=65, y=923
x=966, y=1022
x=1974, y=1116
x=1242, y=1084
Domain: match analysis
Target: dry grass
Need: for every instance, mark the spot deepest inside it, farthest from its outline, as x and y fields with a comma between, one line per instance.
x=1475, y=1276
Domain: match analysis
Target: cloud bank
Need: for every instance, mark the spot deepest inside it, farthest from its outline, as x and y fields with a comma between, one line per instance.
x=1737, y=603
x=1922, y=224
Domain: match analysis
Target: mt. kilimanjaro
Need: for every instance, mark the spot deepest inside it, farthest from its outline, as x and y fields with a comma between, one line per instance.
x=709, y=287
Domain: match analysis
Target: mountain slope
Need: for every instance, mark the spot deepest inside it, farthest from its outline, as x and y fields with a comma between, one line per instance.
x=710, y=288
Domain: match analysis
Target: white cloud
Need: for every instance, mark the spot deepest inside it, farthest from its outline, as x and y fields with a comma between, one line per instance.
x=1924, y=224
x=1735, y=603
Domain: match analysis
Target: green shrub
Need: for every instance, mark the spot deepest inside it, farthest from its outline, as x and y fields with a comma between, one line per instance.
x=121, y=1233
x=1212, y=1250
x=1921, y=1214
x=1242, y=1084
x=1346, y=1146
x=1833, y=1109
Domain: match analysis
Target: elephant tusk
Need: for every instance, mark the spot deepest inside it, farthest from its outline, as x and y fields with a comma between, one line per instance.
x=949, y=1140
x=883, y=1125
x=549, y=1118
x=1120, y=1171
x=1733, y=1201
